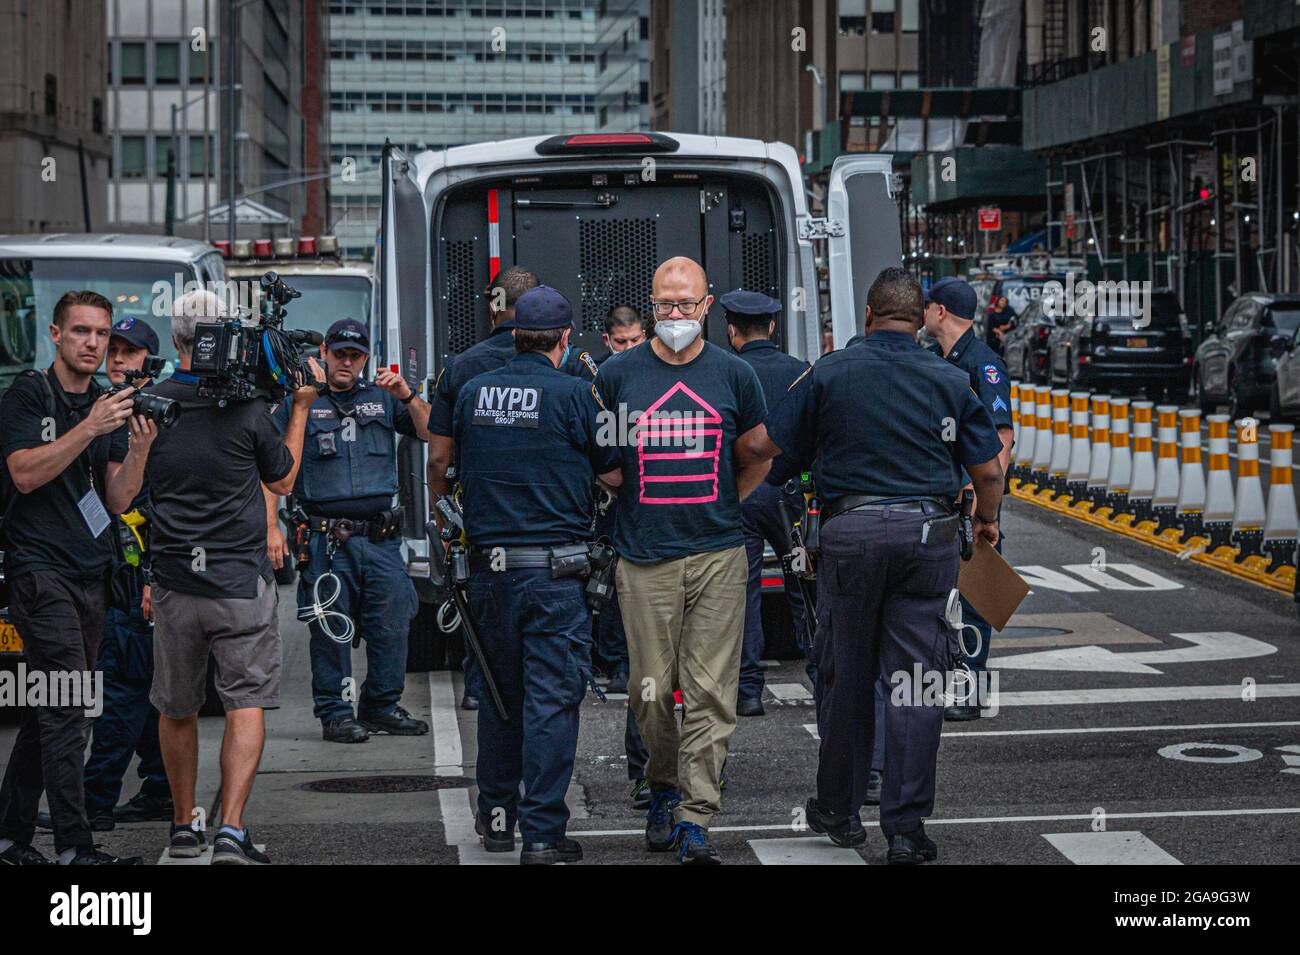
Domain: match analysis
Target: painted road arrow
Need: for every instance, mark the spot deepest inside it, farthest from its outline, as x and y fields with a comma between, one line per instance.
x=1212, y=645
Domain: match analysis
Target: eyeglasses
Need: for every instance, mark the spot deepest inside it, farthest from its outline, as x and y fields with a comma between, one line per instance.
x=686, y=308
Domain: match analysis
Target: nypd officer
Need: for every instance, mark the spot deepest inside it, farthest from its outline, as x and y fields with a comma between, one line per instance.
x=526, y=441
x=502, y=295
x=751, y=322
x=949, y=311
x=345, y=493
x=887, y=460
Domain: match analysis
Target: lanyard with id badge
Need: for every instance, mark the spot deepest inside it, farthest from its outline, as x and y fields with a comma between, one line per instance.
x=92, y=509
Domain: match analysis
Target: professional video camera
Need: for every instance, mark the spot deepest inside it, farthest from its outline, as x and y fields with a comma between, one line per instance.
x=237, y=361
x=163, y=411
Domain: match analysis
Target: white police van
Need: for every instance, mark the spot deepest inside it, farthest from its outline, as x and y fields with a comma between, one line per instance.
x=593, y=215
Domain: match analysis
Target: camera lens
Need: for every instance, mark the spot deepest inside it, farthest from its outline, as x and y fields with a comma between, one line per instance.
x=163, y=411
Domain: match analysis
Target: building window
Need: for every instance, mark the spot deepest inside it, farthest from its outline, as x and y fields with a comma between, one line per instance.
x=51, y=95
x=162, y=145
x=97, y=115
x=131, y=157
x=167, y=64
x=909, y=81
x=881, y=80
x=911, y=16
x=882, y=16
x=853, y=17
x=108, y=62
x=851, y=82
x=199, y=157
x=197, y=58
x=133, y=68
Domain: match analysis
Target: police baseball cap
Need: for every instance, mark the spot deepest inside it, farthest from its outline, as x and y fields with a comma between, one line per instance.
x=137, y=334
x=348, y=333
x=955, y=295
x=542, y=308
x=749, y=304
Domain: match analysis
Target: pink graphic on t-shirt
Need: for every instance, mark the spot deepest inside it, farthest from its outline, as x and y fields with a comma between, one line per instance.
x=687, y=435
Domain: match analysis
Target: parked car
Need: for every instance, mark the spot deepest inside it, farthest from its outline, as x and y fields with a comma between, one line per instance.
x=1008, y=299
x=1123, y=352
x=1237, y=363
x=1024, y=347
x=1284, y=400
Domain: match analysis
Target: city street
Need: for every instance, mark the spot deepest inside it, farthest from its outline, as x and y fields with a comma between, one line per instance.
x=1122, y=737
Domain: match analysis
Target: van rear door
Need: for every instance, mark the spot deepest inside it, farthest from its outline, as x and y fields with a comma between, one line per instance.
x=401, y=320
x=863, y=235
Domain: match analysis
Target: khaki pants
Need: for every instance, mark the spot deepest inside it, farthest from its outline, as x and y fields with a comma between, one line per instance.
x=685, y=623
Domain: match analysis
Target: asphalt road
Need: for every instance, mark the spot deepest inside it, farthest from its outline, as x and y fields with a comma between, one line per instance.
x=1128, y=741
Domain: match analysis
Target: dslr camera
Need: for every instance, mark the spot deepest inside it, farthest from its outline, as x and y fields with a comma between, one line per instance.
x=162, y=411
x=238, y=361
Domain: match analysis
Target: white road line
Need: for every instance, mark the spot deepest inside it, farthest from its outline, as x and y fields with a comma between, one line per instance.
x=812, y=728
x=1109, y=848
x=1142, y=694
x=985, y=820
x=803, y=851
x=447, y=754
x=789, y=692
x=457, y=817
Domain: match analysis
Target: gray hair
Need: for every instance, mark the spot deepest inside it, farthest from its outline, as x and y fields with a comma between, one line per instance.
x=196, y=305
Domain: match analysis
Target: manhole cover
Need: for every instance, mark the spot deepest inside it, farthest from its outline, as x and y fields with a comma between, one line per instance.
x=384, y=784
x=1023, y=632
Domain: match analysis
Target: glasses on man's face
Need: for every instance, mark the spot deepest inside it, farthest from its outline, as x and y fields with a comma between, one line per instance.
x=664, y=309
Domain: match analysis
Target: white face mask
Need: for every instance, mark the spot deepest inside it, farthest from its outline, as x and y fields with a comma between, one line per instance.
x=677, y=333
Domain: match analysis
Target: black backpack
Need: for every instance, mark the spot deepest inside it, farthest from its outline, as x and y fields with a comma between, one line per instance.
x=8, y=493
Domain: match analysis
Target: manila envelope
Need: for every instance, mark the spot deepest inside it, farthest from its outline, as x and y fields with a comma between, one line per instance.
x=991, y=585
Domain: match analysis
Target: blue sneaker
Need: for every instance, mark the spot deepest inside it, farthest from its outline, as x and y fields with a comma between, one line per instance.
x=693, y=845
x=659, y=833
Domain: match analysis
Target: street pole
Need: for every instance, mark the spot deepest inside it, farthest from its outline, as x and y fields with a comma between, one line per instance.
x=170, y=216
x=231, y=43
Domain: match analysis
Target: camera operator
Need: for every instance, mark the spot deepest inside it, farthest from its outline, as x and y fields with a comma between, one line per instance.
x=68, y=460
x=214, y=591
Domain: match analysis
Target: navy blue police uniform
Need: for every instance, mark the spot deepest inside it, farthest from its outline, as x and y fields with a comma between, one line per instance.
x=887, y=461
x=526, y=439
x=345, y=487
x=988, y=379
x=128, y=725
x=760, y=513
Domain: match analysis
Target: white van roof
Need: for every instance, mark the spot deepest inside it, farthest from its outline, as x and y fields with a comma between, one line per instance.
x=103, y=245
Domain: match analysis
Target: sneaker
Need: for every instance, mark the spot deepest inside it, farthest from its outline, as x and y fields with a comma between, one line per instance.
x=397, y=723
x=494, y=841
x=186, y=842
x=469, y=702
x=91, y=855
x=659, y=835
x=143, y=808
x=19, y=854
x=640, y=794
x=692, y=842
x=229, y=850
x=617, y=683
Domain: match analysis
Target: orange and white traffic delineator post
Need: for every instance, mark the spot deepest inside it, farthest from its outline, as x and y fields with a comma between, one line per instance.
x=1015, y=418
x=1026, y=432
x=1059, y=464
x=1078, y=462
x=1142, y=484
x=1220, y=503
x=1248, y=515
x=1280, y=521
x=1164, y=499
x=1043, y=430
x=1191, y=480
x=1099, y=457
x=1119, y=470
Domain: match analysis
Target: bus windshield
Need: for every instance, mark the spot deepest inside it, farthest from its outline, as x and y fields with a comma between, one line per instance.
x=29, y=288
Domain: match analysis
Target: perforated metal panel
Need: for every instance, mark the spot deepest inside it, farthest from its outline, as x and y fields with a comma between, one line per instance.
x=463, y=294
x=616, y=261
x=757, y=265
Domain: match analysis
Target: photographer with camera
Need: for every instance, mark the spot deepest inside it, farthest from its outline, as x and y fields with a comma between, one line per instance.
x=68, y=463
x=354, y=581
x=214, y=590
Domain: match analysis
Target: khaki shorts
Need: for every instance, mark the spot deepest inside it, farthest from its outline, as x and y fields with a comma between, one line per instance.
x=241, y=634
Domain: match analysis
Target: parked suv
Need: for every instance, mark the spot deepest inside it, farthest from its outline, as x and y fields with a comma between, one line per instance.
x=1124, y=352
x=1237, y=364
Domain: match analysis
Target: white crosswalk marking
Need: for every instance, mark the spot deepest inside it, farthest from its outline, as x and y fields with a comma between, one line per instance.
x=447, y=754
x=790, y=692
x=1109, y=848
x=803, y=850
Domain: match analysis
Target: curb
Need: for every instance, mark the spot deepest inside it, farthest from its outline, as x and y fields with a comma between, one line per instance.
x=1226, y=560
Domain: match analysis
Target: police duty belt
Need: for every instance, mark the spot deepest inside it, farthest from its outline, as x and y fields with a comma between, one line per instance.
x=341, y=529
